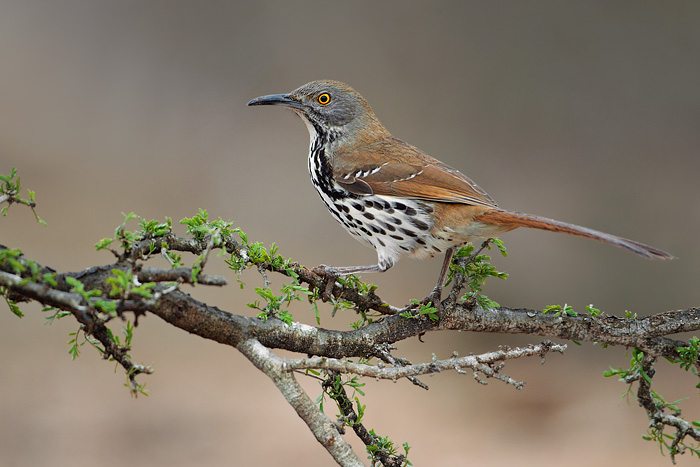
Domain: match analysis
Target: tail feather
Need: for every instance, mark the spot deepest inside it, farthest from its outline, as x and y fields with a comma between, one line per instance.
x=519, y=219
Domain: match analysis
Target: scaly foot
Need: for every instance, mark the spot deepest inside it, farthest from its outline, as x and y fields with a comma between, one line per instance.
x=330, y=275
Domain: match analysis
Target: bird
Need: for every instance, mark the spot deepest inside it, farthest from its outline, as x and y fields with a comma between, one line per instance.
x=392, y=196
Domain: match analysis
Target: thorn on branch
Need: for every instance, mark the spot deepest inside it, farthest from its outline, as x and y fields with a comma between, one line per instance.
x=488, y=365
x=383, y=352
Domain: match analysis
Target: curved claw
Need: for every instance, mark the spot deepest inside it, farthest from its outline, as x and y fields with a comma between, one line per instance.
x=330, y=275
x=323, y=270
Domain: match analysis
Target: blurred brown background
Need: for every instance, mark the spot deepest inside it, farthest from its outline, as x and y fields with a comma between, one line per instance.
x=587, y=113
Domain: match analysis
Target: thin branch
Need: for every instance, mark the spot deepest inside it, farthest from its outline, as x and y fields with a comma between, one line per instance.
x=186, y=244
x=338, y=393
x=325, y=431
x=182, y=274
x=459, y=279
x=484, y=364
x=641, y=333
x=657, y=417
x=82, y=311
x=48, y=296
x=383, y=353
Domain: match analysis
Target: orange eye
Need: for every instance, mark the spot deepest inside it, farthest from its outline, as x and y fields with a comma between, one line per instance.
x=324, y=98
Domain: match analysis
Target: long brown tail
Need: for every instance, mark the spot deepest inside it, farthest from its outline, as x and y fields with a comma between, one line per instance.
x=519, y=219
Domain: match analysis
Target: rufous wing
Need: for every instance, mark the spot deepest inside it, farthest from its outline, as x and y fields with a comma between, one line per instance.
x=391, y=167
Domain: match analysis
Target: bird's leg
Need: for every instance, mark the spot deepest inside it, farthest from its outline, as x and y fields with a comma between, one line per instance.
x=331, y=273
x=436, y=295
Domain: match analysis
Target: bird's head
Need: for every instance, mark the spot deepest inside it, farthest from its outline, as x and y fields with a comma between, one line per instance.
x=328, y=107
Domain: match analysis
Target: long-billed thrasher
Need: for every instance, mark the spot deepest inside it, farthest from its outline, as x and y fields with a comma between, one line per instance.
x=395, y=198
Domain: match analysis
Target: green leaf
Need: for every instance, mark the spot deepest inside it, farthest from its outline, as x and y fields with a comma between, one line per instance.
x=500, y=245
x=15, y=309
x=566, y=309
x=74, y=283
x=49, y=278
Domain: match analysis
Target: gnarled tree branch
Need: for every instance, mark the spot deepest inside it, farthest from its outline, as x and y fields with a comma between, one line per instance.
x=327, y=349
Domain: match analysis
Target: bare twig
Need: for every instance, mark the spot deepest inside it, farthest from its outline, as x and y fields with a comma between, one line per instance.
x=484, y=364
x=383, y=352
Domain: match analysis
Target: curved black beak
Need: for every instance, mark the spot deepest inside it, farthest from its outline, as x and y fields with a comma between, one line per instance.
x=276, y=99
